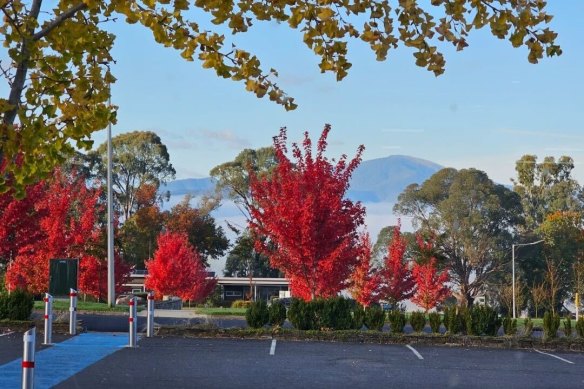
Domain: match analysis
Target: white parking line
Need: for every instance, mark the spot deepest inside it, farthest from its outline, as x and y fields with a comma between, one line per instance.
x=273, y=347
x=555, y=356
x=416, y=353
x=8, y=333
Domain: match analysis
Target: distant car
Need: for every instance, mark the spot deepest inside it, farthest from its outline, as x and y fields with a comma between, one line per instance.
x=124, y=299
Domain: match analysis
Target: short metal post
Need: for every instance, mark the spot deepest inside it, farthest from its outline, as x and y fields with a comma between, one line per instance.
x=29, y=339
x=73, y=312
x=48, y=318
x=150, y=316
x=133, y=321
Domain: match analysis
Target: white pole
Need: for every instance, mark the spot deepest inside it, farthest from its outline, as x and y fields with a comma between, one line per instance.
x=73, y=312
x=48, y=318
x=513, y=276
x=150, y=317
x=29, y=340
x=133, y=321
x=110, y=223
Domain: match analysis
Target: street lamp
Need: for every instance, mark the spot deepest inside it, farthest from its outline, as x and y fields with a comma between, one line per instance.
x=513, y=266
x=110, y=221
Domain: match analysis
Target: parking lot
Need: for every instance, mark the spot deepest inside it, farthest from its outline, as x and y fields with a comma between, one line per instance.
x=186, y=363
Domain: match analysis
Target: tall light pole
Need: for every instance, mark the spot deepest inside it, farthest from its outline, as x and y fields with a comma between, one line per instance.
x=111, y=293
x=513, y=267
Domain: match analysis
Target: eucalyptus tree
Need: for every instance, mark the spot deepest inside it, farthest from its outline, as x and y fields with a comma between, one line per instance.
x=472, y=219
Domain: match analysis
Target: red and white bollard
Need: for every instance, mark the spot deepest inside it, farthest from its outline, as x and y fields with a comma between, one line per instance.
x=150, y=316
x=73, y=312
x=133, y=321
x=48, y=318
x=29, y=339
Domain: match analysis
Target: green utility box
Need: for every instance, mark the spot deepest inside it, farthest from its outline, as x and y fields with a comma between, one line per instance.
x=63, y=275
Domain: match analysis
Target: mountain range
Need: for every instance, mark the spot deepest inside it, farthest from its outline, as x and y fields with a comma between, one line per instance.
x=374, y=181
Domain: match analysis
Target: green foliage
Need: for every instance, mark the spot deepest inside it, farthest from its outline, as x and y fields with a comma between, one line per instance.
x=233, y=176
x=482, y=320
x=580, y=327
x=336, y=314
x=397, y=321
x=527, y=327
x=453, y=320
x=215, y=298
x=358, y=316
x=374, y=317
x=301, y=315
x=435, y=319
x=418, y=321
x=257, y=314
x=568, y=327
x=243, y=259
x=277, y=314
x=16, y=306
x=509, y=325
x=551, y=324
x=241, y=304
x=445, y=197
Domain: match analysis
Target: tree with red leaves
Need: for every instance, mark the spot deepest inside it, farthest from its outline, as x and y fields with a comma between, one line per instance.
x=396, y=281
x=364, y=282
x=65, y=216
x=19, y=221
x=431, y=283
x=311, y=229
x=177, y=269
x=93, y=275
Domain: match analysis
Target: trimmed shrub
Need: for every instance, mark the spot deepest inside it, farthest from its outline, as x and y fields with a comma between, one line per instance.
x=397, y=321
x=580, y=327
x=16, y=305
x=335, y=313
x=257, y=314
x=374, y=317
x=568, y=327
x=482, y=320
x=277, y=314
x=435, y=319
x=528, y=327
x=509, y=325
x=301, y=315
x=453, y=320
x=241, y=304
x=418, y=321
x=551, y=324
x=358, y=317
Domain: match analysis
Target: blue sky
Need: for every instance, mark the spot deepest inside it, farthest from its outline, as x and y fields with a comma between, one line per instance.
x=489, y=108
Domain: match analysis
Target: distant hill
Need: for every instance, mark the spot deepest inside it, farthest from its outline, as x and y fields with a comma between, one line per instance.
x=376, y=180
x=383, y=179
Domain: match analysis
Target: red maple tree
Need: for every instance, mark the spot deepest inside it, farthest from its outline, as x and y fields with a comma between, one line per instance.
x=177, y=269
x=431, y=284
x=65, y=216
x=310, y=226
x=19, y=221
x=364, y=282
x=93, y=275
x=396, y=281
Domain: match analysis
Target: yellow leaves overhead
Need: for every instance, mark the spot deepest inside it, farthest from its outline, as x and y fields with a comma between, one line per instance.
x=60, y=79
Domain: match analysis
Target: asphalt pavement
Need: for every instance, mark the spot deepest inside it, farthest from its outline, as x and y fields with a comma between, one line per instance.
x=226, y=363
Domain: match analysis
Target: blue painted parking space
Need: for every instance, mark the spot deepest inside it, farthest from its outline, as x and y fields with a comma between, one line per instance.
x=63, y=360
